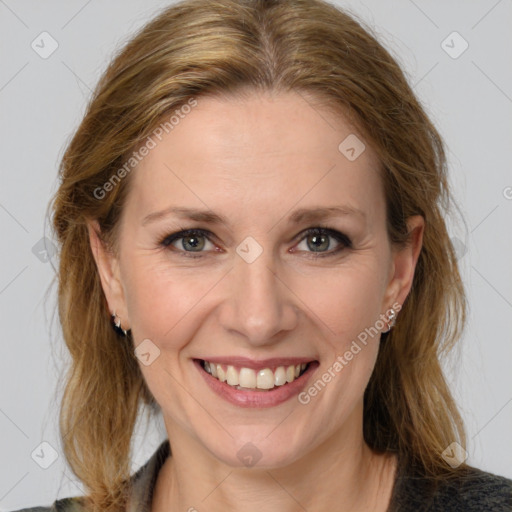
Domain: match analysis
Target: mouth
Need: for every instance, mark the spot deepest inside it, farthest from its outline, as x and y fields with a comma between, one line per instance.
x=247, y=383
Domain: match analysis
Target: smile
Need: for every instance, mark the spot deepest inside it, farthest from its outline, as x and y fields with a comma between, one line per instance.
x=247, y=382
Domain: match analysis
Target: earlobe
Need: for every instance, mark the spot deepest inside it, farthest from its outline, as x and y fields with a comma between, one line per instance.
x=108, y=270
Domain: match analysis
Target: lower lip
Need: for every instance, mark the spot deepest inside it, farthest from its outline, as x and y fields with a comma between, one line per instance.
x=260, y=399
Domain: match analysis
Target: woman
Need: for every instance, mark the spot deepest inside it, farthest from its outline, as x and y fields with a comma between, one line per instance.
x=225, y=145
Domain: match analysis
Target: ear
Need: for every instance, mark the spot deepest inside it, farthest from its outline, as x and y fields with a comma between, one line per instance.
x=108, y=270
x=404, y=261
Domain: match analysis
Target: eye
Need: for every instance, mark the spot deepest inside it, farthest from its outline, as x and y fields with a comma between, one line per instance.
x=318, y=239
x=189, y=241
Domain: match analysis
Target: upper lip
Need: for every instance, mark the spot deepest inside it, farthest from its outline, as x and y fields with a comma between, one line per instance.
x=256, y=364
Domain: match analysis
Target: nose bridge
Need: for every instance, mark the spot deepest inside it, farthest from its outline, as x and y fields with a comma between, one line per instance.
x=260, y=304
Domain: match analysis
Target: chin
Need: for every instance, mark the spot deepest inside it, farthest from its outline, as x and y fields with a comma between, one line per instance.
x=252, y=450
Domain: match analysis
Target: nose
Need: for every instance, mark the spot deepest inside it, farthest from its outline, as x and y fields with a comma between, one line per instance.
x=259, y=304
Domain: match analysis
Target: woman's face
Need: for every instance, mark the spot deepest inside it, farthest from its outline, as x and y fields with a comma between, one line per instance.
x=254, y=290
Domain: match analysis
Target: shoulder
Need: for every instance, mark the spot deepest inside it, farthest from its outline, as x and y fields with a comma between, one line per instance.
x=141, y=487
x=74, y=504
x=475, y=490
x=471, y=490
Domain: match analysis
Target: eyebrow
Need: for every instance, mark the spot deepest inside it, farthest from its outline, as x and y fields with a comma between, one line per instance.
x=210, y=217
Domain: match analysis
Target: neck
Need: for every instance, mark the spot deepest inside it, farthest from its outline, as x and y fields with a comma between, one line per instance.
x=340, y=474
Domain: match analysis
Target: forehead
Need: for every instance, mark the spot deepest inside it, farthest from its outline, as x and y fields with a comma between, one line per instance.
x=257, y=154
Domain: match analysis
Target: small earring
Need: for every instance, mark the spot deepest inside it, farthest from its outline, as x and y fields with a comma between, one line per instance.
x=391, y=320
x=116, y=324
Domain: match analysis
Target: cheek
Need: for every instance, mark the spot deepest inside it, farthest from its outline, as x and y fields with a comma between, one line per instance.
x=161, y=299
x=345, y=301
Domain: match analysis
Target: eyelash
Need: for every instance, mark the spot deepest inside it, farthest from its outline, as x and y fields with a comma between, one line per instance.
x=343, y=239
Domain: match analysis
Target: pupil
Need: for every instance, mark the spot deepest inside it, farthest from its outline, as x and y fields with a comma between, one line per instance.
x=194, y=244
x=322, y=239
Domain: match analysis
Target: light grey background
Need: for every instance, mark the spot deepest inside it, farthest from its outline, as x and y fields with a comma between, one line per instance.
x=42, y=102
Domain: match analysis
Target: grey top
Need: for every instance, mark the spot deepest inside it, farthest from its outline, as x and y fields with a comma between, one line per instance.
x=472, y=491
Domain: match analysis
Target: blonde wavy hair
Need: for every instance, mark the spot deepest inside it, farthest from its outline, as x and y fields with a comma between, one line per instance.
x=200, y=47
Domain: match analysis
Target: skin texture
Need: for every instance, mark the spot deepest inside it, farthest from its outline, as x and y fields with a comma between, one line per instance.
x=255, y=160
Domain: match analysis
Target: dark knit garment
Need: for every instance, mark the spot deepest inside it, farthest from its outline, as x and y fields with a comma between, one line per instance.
x=471, y=491
x=476, y=491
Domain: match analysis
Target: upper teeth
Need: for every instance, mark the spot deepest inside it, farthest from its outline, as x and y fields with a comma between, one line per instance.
x=254, y=379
